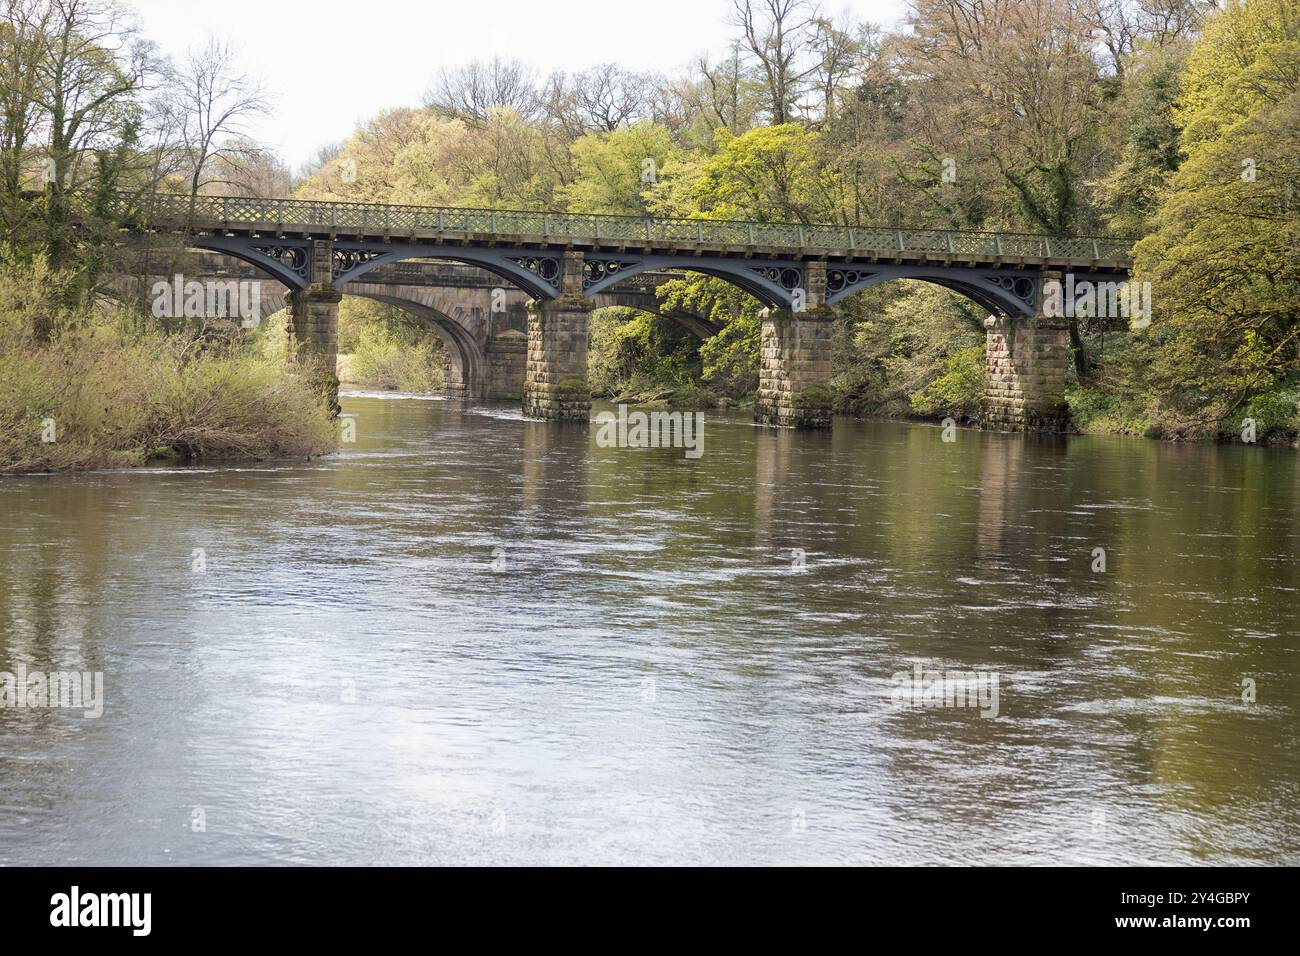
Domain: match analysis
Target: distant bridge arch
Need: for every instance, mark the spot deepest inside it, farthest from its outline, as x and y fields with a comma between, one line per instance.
x=464, y=368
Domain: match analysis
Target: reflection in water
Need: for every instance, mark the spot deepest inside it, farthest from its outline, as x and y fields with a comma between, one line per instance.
x=469, y=637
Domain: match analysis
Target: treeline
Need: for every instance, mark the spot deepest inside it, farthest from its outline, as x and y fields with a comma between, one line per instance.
x=1057, y=116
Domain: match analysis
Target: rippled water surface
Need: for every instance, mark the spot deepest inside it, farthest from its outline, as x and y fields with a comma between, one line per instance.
x=472, y=638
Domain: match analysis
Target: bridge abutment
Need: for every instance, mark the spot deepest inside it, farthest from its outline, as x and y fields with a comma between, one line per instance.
x=314, y=325
x=794, y=366
x=555, y=378
x=1024, y=377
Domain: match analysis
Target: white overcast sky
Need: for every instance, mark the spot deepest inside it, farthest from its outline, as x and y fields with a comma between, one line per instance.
x=331, y=63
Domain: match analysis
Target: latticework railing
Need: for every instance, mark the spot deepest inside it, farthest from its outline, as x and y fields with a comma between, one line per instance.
x=306, y=214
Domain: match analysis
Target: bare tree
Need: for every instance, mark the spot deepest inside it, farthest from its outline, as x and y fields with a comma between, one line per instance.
x=323, y=156
x=249, y=169
x=838, y=49
x=609, y=97
x=779, y=35
x=214, y=103
x=721, y=94
x=472, y=91
x=1120, y=25
x=1164, y=21
x=1115, y=28
x=599, y=100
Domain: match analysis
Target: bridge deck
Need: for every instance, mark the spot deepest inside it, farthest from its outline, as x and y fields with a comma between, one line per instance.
x=433, y=224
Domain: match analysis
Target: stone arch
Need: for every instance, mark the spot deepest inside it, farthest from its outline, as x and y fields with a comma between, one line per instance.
x=614, y=294
x=691, y=323
x=464, y=366
x=274, y=300
x=696, y=325
x=273, y=292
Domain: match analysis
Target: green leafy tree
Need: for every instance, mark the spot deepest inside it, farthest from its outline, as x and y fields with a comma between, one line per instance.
x=638, y=353
x=615, y=171
x=917, y=346
x=1224, y=262
x=772, y=174
x=730, y=357
x=1147, y=140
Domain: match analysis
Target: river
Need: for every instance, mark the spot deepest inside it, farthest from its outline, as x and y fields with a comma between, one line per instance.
x=470, y=638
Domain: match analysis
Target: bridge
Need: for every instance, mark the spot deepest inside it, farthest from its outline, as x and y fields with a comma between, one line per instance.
x=563, y=261
x=483, y=324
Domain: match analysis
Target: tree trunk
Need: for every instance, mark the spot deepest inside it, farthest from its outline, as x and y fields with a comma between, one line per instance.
x=1082, y=366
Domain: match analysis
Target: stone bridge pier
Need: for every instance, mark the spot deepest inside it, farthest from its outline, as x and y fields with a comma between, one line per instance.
x=313, y=325
x=1024, y=375
x=1025, y=361
x=507, y=363
x=481, y=318
x=484, y=345
x=481, y=315
x=555, y=379
x=794, y=371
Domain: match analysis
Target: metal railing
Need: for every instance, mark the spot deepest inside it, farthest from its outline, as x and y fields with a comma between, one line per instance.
x=306, y=214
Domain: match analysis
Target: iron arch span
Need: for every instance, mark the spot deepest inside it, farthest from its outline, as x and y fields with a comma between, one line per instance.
x=997, y=291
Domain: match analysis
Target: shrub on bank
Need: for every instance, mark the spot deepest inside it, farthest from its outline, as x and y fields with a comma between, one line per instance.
x=1275, y=415
x=93, y=399
x=396, y=358
x=1119, y=399
x=100, y=392
x=959, y=391
x=1095, y=411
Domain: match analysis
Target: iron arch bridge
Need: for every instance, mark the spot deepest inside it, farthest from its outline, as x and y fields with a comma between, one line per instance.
x=565, y=262
x=781, y=264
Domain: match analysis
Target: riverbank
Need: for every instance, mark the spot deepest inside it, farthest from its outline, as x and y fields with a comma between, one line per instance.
x=677, y=397
x=1270, y=419
x=1092, y=411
